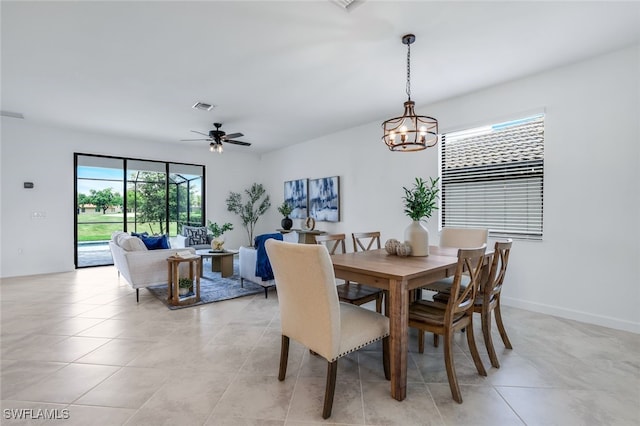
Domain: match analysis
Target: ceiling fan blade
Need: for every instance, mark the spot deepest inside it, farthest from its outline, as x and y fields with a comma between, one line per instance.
x=238, y=142
x=233, y=136
x=189, y=140
x=200, y=133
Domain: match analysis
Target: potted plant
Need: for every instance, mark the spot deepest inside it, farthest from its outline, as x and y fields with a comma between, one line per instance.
x=217, y=242
x=419, y=202
x=285, y=210
x=184, y=285
x=249, y=212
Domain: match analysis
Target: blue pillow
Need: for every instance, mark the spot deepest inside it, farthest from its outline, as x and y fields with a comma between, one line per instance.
x=155, y=243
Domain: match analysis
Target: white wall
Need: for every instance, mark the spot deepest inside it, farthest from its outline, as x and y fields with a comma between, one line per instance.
x=44, y=156
x=586, y=268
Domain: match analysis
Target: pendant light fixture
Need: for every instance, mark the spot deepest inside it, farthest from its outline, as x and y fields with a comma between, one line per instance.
x=410, y=132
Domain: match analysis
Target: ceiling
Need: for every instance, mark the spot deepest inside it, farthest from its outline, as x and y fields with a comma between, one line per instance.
x=279, y=72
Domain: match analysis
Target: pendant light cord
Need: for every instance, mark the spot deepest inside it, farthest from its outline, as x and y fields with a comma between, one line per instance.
x=409, y=71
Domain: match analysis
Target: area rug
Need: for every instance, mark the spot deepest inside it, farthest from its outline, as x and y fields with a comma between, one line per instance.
x=213, y=288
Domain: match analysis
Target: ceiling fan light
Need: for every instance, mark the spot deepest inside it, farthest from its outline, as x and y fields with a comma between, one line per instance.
x=212, y=147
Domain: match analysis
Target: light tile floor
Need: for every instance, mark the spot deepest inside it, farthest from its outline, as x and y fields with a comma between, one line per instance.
x=78, y=345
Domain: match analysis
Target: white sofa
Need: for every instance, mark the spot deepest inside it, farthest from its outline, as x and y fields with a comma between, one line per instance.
x=247, y=257
x=138, y=265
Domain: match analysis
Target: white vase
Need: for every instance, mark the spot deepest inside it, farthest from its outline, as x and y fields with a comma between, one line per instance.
x=418, y=238
x=217, y=243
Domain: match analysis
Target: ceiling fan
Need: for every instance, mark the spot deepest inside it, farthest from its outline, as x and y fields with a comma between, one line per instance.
x=217, y=136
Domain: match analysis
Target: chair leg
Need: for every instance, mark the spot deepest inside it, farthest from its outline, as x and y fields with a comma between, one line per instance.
x=485, y=317
x=436, y=339
x=265, y=293
x=451, y=369
x=137, y=295
x=379, y=303
x=474, y=350
x=503, y=332
x=332, y=369
x=242, y=282
x=284, y=357
x=420, y=341
x=385, y=358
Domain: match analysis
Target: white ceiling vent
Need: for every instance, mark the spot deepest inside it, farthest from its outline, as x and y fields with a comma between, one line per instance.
x=346, y=4
x=203, y=106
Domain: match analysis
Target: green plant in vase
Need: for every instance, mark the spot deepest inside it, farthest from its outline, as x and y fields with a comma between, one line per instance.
x=217, y=242
x=419, y=202
x=250, y=211
x=285, y=210
x=185, y=285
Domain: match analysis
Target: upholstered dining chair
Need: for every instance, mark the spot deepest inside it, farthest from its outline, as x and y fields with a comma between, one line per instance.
x=463, y=237
x=457, y=238
x=488, y=298
x=456, y=314
x=311, y=314
x=354, y=293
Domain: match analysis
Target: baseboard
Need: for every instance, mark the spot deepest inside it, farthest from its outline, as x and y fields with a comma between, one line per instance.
x=571, y=314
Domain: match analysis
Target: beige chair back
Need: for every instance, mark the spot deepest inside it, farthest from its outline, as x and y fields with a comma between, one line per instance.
x=309, y=306
x=463, y=237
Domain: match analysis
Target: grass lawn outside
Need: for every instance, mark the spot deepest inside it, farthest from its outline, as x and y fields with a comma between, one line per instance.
x=99, y=227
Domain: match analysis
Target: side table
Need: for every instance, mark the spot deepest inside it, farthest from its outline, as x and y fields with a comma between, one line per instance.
x=173, y=262
x=221, y=261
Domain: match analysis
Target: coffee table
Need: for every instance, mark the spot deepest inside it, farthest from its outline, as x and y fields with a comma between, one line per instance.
x=221, y=261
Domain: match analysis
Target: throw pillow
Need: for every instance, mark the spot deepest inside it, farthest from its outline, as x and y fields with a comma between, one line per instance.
x=196, y=236
x=141, y=234
x=129, y=243
x=156, y=243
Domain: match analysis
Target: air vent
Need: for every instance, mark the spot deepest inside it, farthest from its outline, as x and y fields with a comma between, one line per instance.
x=346, y=4
x=12, y=114
x=202, y=106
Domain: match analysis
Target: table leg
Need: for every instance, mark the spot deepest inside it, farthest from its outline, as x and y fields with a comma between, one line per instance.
x=198, y=281
x=170, y=280
x=226, y=266
x=176, y=288
x=399, y=337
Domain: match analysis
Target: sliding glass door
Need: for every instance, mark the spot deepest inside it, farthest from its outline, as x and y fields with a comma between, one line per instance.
x=132, y=195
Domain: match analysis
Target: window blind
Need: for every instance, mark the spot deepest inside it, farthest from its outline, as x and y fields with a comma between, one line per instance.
x=492, y=177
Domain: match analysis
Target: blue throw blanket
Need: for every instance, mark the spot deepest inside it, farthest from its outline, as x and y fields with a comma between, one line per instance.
x=263, y=266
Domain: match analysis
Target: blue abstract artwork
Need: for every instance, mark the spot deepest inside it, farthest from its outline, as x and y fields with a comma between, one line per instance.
x=295, y=194
x=324, y=199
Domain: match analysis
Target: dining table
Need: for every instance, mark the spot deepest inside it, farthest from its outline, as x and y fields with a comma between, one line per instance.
x=398, y=276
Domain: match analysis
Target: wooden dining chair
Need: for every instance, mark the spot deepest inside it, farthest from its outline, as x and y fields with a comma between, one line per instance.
x=456, y=314
x=311, y=314
x=457, y=238
x=488, y=298
x=363, y=241
x=354, y=293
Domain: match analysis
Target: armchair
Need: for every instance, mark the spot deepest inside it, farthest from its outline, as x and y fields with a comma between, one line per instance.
x=247, y=258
